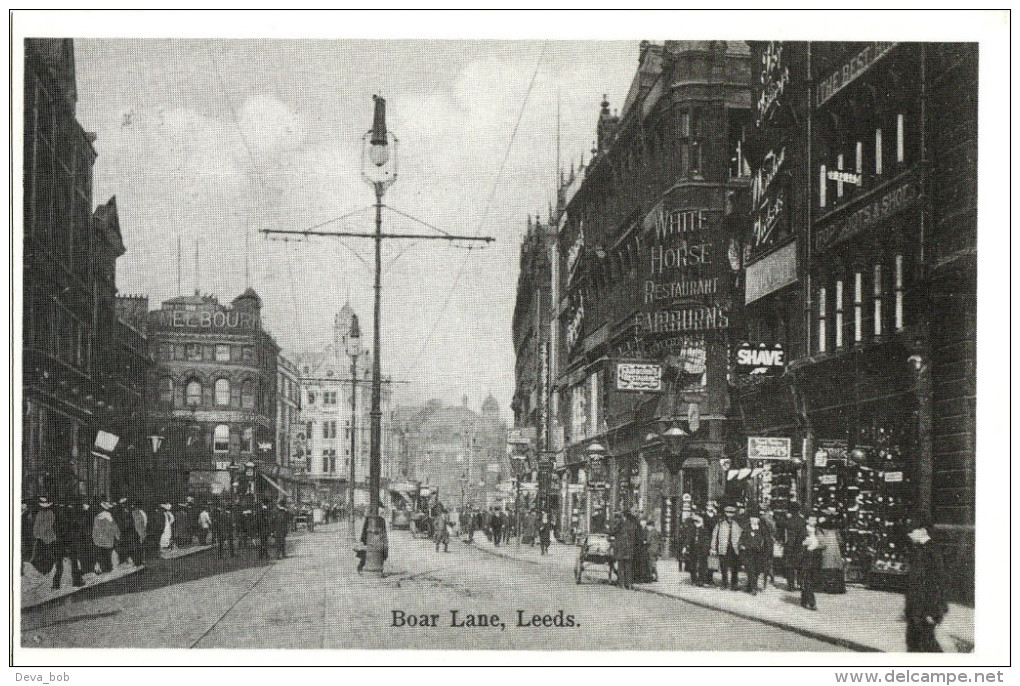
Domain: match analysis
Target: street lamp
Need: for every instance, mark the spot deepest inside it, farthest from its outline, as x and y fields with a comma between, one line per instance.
x=380, y=174
x=594, y=454
x=463, y=490
x=353, y=350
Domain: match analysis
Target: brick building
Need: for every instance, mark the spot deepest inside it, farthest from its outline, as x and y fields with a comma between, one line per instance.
x=647, y=283
x=213, y=398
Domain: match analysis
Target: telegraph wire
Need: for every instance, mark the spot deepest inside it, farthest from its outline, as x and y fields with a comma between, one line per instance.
x=485, y=212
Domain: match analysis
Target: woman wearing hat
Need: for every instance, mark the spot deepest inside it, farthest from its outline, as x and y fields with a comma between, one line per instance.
x=166, y=539
x=45, y=553
x=105, y=535
x=832, y=579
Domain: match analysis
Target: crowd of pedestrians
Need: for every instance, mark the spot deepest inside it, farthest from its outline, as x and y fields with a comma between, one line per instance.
x=99, y=536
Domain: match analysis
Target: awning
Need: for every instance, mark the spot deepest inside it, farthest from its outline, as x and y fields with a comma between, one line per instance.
x=274, y=484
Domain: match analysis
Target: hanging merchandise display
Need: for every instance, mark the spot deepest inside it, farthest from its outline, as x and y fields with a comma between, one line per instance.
x=867, y=491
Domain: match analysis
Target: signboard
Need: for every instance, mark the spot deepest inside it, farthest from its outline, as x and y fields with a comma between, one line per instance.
x=208, y=483
x=761, y=360
x=768, y=448
x=848, y=72
x=828, y=479
x=893, y=477
x=834, y=450
x=638, y=376
x=876, y=207
x=206, y=319
x=821, y=458
x=521, y=436
x=772, y=272
x=774, y=77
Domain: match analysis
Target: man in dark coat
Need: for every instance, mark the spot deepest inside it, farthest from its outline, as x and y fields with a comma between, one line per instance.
x=625, y=548
x=925, y=598
x=496, y=523
x=122, y=516
x=223, y=529
x=696, y=543
x=754, y=546
x=792, y=537
x=281, y=525
x=263, y=527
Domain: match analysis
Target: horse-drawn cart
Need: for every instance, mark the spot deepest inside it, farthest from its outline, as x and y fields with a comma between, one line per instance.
x=595, y=549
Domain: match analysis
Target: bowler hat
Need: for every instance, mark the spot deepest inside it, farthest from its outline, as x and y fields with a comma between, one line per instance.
x=730, y=509
x=44, y=502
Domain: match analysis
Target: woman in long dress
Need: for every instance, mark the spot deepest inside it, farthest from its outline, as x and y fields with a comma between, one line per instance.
x=166, y=541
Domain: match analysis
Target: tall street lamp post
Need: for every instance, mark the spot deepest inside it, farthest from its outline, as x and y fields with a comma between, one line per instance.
x=594, y=453
x=353, y=350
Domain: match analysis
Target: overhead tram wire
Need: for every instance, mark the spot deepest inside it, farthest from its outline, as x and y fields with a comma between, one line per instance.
x=485, y=212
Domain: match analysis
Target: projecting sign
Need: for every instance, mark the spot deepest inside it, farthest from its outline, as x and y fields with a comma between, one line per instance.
x=761, y=360
x=774, y=271
x=768, y=448
x=521, y=436
x=636, y=376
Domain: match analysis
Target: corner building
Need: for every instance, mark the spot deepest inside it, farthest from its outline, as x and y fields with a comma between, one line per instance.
x=648, y=277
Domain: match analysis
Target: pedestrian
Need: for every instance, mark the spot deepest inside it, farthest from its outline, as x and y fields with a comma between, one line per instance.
x=545, y=528
x=832, y=577
x=281, y=525
x=441, y=530
x=182, y=524
x=696, y=544
x=772, y=551
x=725, y=542
x=811, y=562
x=121, y=513
x=166, y=539
x=925, y=605
x=263, y=528
x=204, y=524
x=625, y=548
x=496, y=523
x=754, y=548
x=223, y=529
x=793, y=532
x=27, y=521
x=137, y=532
x=711, y=518
x=653, y=549
x=105, y=535
x=45, y=542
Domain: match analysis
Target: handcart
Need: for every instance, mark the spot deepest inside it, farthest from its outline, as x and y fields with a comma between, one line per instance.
x=595, y=549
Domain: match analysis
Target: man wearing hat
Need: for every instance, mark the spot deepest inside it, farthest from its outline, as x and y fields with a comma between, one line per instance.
x=925, y=604
x=725, y=545
x=281, y=526
x=105, y=535
x=122, y=516
x=45, y=553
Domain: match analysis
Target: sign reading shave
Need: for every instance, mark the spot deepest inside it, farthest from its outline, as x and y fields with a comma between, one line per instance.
x=760, y=360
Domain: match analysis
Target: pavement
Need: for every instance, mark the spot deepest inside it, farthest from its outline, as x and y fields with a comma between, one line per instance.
x=862, y=619
x=37, y=589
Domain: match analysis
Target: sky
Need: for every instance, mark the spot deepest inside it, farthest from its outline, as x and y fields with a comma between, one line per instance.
x=208, y=142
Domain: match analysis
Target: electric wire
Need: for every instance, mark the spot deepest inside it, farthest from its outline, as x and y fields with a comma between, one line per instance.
x=485, y=212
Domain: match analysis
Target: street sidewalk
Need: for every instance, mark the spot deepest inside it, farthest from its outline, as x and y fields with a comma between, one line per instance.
x=37, y=589
x=862, y=619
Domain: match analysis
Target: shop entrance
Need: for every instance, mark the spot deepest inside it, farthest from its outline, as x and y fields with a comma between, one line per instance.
x=694, y=480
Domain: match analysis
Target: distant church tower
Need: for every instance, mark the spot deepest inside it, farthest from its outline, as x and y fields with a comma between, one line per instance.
x=490, y=408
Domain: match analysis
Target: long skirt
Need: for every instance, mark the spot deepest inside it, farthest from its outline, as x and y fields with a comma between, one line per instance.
x=167, y=538
x=831, y=581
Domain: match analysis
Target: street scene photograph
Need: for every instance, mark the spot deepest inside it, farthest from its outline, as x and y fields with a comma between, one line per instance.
x=362, y=344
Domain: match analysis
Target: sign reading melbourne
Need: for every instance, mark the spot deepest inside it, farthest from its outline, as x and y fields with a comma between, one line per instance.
x=208, y=319
x=638, y=376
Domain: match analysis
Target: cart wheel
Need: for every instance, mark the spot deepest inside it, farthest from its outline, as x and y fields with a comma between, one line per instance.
x=578, y=571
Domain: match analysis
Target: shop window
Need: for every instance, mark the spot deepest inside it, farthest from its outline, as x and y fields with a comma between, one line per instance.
x=246, y=439
x=248, y=395
x=821, y=320
x=222, y=392
x=221, y=438
x=193, y=393
x=223, y=353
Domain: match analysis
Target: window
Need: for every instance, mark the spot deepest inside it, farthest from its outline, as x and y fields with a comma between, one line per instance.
x=839, y=314
x=222, y=392
x=223, y=353
x=899, y=293
x=248, y=395
x=878, y=300
x=246, y=439
x=248, y=355
x=221, y=438
x=329, y=429
x=311, y=397
x=310, y=428
x=858, y=307
x=329, y=461
x=329, y=398
x=166, y=390
x=193, y=393
x=821, y=320
x=194, y=352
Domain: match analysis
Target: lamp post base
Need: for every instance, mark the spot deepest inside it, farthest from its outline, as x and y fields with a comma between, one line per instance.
x=376, y=545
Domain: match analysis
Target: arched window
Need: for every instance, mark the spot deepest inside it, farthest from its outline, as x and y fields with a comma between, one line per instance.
x=193, y=393
x=222, y=392
x=166, y=390
x=221, y=438
x=248, y=395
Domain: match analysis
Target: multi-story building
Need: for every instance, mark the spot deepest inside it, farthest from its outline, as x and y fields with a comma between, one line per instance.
x=648, y=288
x=214, y=397
x=457, y=452
x=288, y=426
x=130, y=373
x=863, y=265
x=70, y=360
x=337, y=388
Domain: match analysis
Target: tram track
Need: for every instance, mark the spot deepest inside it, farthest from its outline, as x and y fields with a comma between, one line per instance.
x=234, y=604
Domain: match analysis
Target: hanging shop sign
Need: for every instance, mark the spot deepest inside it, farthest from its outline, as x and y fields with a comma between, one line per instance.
x=760, y=360
x=874, y=208
x=828, y=479
x=574, y=253
x=774, y=271
x=849, y=71
x=773, y=78
x=893, y=477
x=521, y=436
x=830, y=450
x=769, y=448
x=637, y=376
x=575, y=322
x=770, y=220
